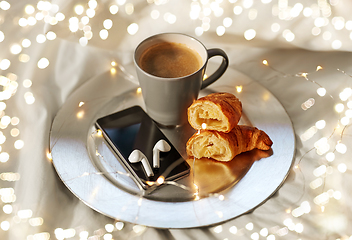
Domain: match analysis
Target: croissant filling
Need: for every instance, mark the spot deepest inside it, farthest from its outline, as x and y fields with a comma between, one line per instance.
x=210, y=118
x=209, y=147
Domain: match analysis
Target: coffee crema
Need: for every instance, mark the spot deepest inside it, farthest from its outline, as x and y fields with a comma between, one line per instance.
x=170, y=60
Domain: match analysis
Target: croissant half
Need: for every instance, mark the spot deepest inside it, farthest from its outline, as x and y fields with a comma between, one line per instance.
x=219, y=112
x=225, y=146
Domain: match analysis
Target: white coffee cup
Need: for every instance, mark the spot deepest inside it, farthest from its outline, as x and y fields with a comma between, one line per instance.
x=167, y=99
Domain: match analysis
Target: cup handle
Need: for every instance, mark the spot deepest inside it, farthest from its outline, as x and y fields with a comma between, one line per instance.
x=220, y=71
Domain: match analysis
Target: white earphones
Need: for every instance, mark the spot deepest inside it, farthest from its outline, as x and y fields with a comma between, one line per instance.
x=160, y=146
x=138, y=156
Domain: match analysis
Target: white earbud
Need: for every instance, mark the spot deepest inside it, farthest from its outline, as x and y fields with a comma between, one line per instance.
x=138, y=156
x=160, y=146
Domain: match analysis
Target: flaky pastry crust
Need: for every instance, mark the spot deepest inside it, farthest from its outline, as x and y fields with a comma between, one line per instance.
x=225, y=146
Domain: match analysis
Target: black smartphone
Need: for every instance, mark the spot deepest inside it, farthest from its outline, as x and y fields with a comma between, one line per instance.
x=132, y=129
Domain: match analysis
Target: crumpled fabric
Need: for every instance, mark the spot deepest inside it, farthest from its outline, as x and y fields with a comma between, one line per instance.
x=40, y=192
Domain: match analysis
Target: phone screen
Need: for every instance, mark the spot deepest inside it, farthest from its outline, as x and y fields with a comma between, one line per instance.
x=132, y=129
x=123, y=137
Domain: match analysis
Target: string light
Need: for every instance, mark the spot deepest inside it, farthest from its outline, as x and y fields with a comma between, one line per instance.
x=114, y=9
x=249, y=226
x=341, y=148
x=321, y=92
x=233, y=230
x=199, y=10
x=29, y=98
x=218, y=229
x=50, y=35
x=129, y=8
x=237, y=10
x=250, y=34
x=14, y=132
x=239, y=89
x=196, y=193
x=92, y=4
x=34, y=222
x=107, y=24
x=60, y=16
x=19, y=144
x=155, y=14
x=320, y=124
x=113, y=71
x=5, y=225
x=133, y=28
x=4, y=5
x=5, y=64
x=339, y=107
x=43, y=63
x=49, y=156
x=80, y=114
x=23, y=58
x=103, y=34
x=160, y=180
x=83, y=41
x=99, y=133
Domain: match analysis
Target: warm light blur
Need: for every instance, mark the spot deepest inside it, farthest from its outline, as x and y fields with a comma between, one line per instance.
x=160, y=180
x=239, y=89
x=113, y=71
x=99, y=133
x=80, y=114
x=48, y=155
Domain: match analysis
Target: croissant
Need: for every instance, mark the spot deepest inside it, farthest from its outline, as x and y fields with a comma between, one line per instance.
x=225, y=146
x=216, y=111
